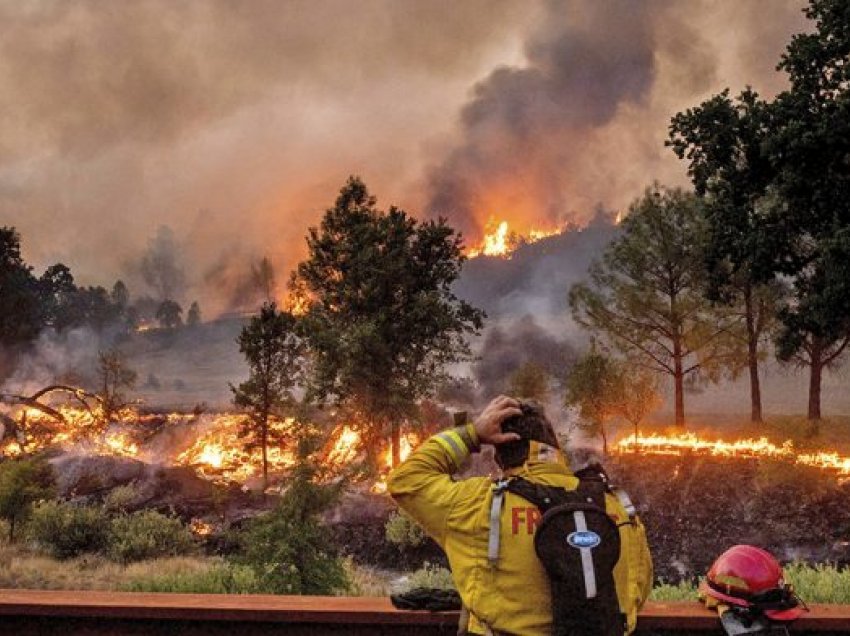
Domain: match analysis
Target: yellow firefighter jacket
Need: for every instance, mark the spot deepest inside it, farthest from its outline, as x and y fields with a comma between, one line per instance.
x=511, y=596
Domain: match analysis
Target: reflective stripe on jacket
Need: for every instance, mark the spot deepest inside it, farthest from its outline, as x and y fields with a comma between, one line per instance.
x=513, y=595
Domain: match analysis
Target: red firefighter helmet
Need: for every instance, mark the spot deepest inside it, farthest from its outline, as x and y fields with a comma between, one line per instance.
x=747, y=576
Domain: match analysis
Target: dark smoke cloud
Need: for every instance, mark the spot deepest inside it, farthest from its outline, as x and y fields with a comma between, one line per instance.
x=234, y=123
x=508, y=346
x=583, y=120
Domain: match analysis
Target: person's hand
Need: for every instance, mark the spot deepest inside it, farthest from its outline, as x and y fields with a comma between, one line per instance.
x=488, y=425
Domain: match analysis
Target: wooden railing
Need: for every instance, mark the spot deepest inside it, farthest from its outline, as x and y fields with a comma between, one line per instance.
x=61, y=613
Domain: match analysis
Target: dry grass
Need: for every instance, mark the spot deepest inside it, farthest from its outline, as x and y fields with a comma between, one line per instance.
x=20, y=568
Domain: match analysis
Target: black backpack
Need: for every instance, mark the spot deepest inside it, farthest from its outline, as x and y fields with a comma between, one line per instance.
x=578, y=545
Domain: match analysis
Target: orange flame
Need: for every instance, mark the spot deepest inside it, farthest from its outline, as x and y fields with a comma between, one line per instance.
x=501, y=241
x=747, y=448
x=216, y=452
x=200, y=528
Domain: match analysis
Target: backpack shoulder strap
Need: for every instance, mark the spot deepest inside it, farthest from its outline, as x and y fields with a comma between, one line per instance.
x=544, y=497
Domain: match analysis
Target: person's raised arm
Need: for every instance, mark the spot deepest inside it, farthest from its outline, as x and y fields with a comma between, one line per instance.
x=422, y=486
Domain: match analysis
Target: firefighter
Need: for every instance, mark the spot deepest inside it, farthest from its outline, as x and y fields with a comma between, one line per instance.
x=490, y=546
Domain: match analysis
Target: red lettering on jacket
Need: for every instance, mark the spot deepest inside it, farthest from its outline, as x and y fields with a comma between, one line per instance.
x=516, y=519
x=532, y=520
x=529, y=517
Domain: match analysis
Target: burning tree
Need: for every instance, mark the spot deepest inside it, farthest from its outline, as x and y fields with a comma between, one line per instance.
x=381, y=319
x=113, y=378
x=274, y=353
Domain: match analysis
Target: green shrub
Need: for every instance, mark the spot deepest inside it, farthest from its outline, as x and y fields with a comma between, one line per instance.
x=817, y=583
x=403, y=531
x=683, y=591
x=65, y=530
x=147, y=534
x=121, y=498
x=22, y=483
x=224, y=578
x=433, y=576
x=289, y=548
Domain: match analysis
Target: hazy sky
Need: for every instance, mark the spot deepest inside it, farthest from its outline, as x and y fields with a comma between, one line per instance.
x=235, y=123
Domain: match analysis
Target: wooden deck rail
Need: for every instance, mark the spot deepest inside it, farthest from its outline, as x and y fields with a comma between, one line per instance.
x=27, y=612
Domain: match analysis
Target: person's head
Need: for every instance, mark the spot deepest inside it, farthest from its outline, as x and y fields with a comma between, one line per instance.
x=532, y=424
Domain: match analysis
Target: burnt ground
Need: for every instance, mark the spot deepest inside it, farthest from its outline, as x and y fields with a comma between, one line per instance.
x=693, y=507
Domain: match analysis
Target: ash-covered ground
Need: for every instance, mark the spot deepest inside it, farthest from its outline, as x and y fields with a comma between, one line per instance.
x=693, y=507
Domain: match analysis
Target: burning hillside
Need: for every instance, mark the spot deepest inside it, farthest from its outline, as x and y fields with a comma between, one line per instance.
x=210, y=444
x=500, y=240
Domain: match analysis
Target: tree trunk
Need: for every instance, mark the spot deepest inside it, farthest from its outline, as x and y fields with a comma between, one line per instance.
x=604, y=440
x=264, y=442
x=752, y=358
x=678, y=382
x=12, y=529
x=815, y=374
x=396, y=443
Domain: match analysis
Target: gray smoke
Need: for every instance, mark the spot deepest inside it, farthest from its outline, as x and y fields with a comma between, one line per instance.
x=583, y=121
x=234, y=123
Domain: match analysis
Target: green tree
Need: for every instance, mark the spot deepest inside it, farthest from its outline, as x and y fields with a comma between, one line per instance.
x=289, y=548
x=23, y=316
x=274, y=352
x=169, y=314
x=646, y=295
x=86, y=306
x=723, y=141
x=22, y=483
x=193, y=318
x=637, y=396
x=531, y=382
x=381, y=318
x=594, y=386
x=57, y=291
x=811, y=211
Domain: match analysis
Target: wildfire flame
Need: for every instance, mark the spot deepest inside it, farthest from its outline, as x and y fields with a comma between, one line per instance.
x=214, y=448
x=200, y=528
x=501, y=241
x=747, y=448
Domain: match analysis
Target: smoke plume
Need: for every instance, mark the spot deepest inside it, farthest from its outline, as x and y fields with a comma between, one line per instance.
x=235, y=123
x=582, y=122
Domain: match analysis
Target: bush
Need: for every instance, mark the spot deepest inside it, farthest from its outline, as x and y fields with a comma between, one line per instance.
x=148, y=534
x=817, y=583
x=289, y=548
x=683, y=591
x=222, y=578
x=65, y=530
x=403, y=531
x=22, y=483
x=431, y=576
x=121, y=498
